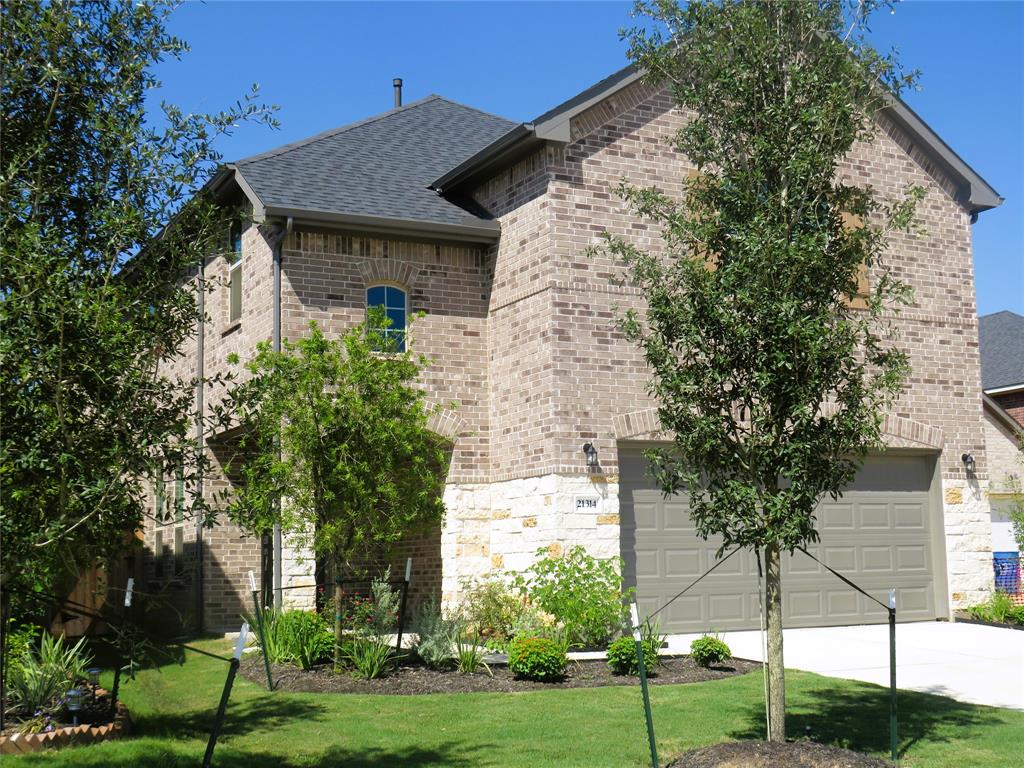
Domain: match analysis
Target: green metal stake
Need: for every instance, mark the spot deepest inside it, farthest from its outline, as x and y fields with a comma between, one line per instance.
x=643, y=684
x=894, y=742
x=258, y=612
x=218, y=722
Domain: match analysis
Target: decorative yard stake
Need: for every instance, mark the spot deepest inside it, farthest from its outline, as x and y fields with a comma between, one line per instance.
x=258, y=613
x=129, y=588
x=643, y=683
x=405, y=597
x=218, y=722
x=893, y=719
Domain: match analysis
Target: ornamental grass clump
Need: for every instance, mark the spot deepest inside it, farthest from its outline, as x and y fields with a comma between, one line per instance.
x=537, y=658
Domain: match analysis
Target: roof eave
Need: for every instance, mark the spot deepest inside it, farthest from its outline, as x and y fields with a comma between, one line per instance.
x=999, y=412
x=499, y=152
x=978, y=194
x=477, y=231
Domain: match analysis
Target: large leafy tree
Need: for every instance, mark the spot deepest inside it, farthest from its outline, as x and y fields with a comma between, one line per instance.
x=773, y=363
x=94, y=293
x=333, y=445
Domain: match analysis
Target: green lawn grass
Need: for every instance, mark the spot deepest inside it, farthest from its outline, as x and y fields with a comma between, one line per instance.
x=173, y=708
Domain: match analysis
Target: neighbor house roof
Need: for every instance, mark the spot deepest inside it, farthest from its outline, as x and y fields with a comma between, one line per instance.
x=1001, y=338
x=974, y=193
x=376, y=171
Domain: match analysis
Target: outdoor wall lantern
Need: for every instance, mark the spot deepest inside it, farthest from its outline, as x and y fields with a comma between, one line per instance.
x=968, y=461
x=591, y=452
x=74, y=702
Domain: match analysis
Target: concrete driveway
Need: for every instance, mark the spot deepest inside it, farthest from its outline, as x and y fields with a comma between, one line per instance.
x=967, y=662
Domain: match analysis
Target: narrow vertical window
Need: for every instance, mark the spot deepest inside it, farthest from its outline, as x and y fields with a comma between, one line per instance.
x=393, y=301
x=179, y=491
x=235, y=272
x=160, y=499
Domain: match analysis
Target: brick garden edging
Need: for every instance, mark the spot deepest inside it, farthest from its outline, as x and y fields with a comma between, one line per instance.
x=23, y=743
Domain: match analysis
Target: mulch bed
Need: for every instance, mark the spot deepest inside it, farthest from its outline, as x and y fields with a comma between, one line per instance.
x=413, y=678
x=762, y=754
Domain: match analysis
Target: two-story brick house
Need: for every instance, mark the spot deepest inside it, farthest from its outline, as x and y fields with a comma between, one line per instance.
x=484, y=225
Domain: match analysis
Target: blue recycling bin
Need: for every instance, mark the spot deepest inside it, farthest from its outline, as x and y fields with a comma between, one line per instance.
x=1007, y=568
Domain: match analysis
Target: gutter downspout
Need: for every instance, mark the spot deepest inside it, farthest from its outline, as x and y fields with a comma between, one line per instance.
x=278, y=238
x=200, y=436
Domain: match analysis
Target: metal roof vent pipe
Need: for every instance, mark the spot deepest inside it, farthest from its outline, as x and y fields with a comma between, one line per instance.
x=398, y=91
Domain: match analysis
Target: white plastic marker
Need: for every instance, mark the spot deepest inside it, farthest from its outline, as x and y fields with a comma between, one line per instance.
x=252, y=581
x=408, y=569
x=892, y=599
x=636, y=621
x=128, y=593
x=243, y=635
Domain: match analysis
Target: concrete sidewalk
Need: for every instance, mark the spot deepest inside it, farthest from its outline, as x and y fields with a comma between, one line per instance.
x=967, y=662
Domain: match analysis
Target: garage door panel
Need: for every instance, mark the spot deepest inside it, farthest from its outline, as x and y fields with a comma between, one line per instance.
x=910, y=517
x=873, y=516
x=878, y=535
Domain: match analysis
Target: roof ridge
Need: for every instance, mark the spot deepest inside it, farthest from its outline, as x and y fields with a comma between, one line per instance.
x=284, y=149
x=1001, y=312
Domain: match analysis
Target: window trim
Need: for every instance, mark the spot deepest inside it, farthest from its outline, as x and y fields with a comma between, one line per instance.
x=405, y=293
x=235, y=259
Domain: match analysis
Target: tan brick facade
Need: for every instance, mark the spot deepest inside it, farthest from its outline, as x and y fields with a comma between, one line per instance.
x=521, y=335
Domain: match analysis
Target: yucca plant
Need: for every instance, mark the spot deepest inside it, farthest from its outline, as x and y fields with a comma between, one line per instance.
x=39, y=679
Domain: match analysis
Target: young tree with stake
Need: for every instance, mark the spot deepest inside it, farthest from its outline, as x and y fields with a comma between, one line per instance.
x=773, y=365
x=334, y=445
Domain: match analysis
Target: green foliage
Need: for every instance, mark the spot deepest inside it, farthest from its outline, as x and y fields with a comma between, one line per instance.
x=335, y=446
x=622, y=656
x=370, y=656
x=709, y=649
x=469, y=654
x=999, y=609
x=302, y=638
x=492, y=609
x=582, y=592
x=537, y=658
x=38, y=679
x=20, y=642
x=93, y=295
x=436, y=635
x=773, y=383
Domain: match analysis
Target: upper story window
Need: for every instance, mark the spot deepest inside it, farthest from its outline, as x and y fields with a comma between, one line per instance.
x=235, y=272
x=394, y=303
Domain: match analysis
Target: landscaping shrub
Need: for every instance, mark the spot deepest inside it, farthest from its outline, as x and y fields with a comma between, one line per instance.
x=492, y=609
x=39, y=678
x=295, y=637
x=580, y=591
x=708, y=650
x=537, y=658
x=1000, y=609
x=377, y=613
x=622, y=656
x=370, y=656
x=437, y=635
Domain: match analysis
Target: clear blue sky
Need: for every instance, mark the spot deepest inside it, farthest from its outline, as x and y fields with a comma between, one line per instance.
x=326, y=64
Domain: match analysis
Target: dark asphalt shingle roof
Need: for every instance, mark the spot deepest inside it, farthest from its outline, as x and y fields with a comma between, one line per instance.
x=1001, y=338
x=381, y=166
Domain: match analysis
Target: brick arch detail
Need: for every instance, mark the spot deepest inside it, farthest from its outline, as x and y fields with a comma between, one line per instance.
x=375, y=271
x=899, y=432
x=447, y=424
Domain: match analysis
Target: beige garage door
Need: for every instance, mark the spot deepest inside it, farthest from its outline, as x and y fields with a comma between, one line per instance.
x=884, y=532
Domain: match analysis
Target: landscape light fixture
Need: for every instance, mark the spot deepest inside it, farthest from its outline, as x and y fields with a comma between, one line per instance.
x=591, y=453
x=74, y=702
x=969, y=464
x=94, y=680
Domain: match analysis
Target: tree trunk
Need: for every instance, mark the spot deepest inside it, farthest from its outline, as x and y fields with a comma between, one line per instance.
x=338, y=626
x=776, y=672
